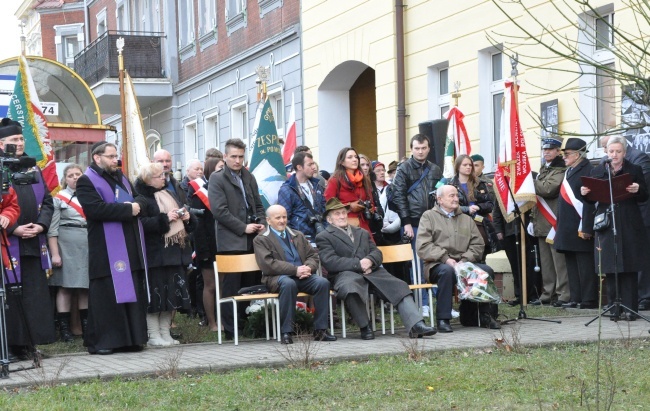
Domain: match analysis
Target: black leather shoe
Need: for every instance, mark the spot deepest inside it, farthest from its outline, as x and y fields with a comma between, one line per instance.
x=559, y=303
x=367, y=333
x=420, y=329
x=644, y=305
x=105, y=351
x=444, y=326
x=514, y=302
x=323, y=335
x=570, y=304
x=488, y=322
x=539, y=302
x=286, y=339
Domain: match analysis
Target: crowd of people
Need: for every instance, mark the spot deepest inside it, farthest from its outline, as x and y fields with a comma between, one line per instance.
x=125, y=256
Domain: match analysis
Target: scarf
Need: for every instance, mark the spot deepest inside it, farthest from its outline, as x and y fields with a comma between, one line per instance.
x=176, y=233
x=356, y=178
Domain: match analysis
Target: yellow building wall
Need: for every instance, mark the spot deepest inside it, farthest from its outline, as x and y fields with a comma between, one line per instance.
x=439, y=31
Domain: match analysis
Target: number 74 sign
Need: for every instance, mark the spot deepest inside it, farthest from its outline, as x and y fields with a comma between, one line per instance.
x=50, y=109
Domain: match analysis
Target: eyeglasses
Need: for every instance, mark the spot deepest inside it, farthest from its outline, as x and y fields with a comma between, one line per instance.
x=110, y=157
x=565, y=154
x=160, y=176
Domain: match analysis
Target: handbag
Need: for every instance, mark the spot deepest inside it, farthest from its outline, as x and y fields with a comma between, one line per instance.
x=602, y=221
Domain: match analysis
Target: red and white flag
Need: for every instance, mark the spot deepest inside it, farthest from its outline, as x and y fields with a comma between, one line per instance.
x=514, y=170
x=290, y=136
x=457, y=138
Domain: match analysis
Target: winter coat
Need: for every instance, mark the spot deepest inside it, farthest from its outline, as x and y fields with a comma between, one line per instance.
x=547, y=186
x=568, y=220
x=229, y=208
x=291, y=198
x=348, y=193
x=482, y=195
x=205, y=238
x=97, y=212
x=631, y=234
x=271, y=258
x=410, y=207
x=155, y=224
x=440, y=238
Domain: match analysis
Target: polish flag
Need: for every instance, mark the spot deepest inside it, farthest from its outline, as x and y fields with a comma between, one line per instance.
x=290, y=139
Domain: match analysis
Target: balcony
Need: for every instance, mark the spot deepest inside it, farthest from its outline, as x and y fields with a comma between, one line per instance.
x=97, y=64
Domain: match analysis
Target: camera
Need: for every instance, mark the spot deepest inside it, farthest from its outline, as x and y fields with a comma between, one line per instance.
x=181, y=212
x=368, y=214
x=317, y=222
x=9, y=159
x=253, y=219
x=196, y=211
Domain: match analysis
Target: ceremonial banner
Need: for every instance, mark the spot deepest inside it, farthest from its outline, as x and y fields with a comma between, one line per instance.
x=514, y=167
x=134, y=142
x=290, y=136
x=25, y=108
x=266, y=157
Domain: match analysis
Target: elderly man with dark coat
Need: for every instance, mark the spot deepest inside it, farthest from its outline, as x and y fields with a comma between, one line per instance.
x=26, y=242
x=575, y=227
x=289, y=264
x=353, y=262
x=117, y=300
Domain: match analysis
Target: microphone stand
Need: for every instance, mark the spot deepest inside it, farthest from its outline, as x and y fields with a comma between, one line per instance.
x=615, y=308
x=523, y=270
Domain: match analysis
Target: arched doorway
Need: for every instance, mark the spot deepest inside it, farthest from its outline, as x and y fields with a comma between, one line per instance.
x=347, y=113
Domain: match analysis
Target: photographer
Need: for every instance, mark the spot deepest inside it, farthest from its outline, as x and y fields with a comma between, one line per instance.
x=27, y=239
x=238, y=211
x=302, y=197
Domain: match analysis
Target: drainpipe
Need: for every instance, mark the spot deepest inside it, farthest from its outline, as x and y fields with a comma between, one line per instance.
x=86, y=23
x=401, y=99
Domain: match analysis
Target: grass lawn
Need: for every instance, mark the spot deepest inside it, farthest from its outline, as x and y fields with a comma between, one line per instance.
x=560, y=377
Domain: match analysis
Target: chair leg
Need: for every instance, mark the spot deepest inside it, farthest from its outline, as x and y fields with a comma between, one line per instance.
x=343, y=318
x=331, y=316
x=266, y=319
x=431, y=312
x=392, y=320
x=372, y=312
x=383, y=319
x=235, y=320
x=276, y=319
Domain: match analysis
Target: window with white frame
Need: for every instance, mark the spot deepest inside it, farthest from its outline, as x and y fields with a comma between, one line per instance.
x=153, y=142
x=101, y=22
x=235, y=15
x=239, y=122
x=185, y=22
x=233, y=8
x=438, y=90
x=496, y=90
x=443, y=91
x=151, y=16
x=136, y=15
x=69, y=39
x=207, y=16
x=191, y=139
x=277, y=105
x=211, y=130
x=121, y=15
x=491, y=84
x=598, y=96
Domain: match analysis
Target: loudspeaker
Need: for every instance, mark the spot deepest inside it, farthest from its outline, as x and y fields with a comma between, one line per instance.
x=436, y=132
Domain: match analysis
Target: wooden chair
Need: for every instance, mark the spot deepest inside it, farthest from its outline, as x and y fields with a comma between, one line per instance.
x=236, y=265
x=396, y=254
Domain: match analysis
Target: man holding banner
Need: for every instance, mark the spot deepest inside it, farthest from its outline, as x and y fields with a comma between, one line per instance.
x=28, y=250
x=117, y=299
x=555, y=279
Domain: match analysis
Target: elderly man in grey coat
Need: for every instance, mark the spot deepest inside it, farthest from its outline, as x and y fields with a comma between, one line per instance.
x=353, y=262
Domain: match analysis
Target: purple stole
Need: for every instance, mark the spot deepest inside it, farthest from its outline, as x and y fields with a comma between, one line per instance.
x=14, y=271
x=118, y=256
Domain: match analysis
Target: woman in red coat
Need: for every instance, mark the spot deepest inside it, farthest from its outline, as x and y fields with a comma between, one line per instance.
x=9, y=213
x=351, y=186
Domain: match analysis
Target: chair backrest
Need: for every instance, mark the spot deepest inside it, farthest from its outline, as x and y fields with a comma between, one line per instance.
x=226, y=264
x=396, y=253
x=353, y=221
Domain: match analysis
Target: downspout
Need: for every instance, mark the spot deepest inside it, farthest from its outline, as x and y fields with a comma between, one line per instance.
x=401, y=92
x=86, y=23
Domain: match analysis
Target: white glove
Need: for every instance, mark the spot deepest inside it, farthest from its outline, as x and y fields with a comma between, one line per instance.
x=529, y=229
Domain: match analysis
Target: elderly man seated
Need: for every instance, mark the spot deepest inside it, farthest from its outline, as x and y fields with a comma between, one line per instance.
x=445, y=238
x=288, y=263
x=353, y=263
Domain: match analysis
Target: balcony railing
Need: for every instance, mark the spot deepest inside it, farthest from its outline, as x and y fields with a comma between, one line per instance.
x=142, y=56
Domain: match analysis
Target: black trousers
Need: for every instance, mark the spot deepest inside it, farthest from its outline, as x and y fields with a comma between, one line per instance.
x=627, y=289
x=583, y=280
x=445, y=276
x=509, y=244
x=644, y=277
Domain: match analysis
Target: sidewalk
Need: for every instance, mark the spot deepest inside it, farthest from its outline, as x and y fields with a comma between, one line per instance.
x=211, y=357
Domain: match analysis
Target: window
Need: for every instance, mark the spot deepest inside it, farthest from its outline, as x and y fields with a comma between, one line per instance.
x=604, y=34
x=208, y=16
x=277, y=105
x=101, y=22
x=71, y=48
x=211, y=130
x=186, y=22
x=491, y=85
x=235, y=15
x=136, y=14
x=438, y=90
x=239, y=122
x=69, y=40
x=153, y=142
x=190, y=138
x=121, y=16
x=605, y=100
x=233, y=7
x=443, y=91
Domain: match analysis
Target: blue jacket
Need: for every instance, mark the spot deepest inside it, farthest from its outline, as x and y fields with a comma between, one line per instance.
x=298, y=213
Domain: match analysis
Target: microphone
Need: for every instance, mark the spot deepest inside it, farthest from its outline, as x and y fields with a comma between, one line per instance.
x=537, y=268
x=607, y=161
x=27, y=162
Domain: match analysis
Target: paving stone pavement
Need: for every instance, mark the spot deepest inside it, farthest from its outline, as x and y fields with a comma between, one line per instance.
x=211, y=357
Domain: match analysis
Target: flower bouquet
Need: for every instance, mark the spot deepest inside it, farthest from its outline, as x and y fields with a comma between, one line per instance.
x=475, y=284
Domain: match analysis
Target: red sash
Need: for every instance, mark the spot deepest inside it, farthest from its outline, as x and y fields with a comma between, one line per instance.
x=200, y=191
x=71, y=201
x=549, y=215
